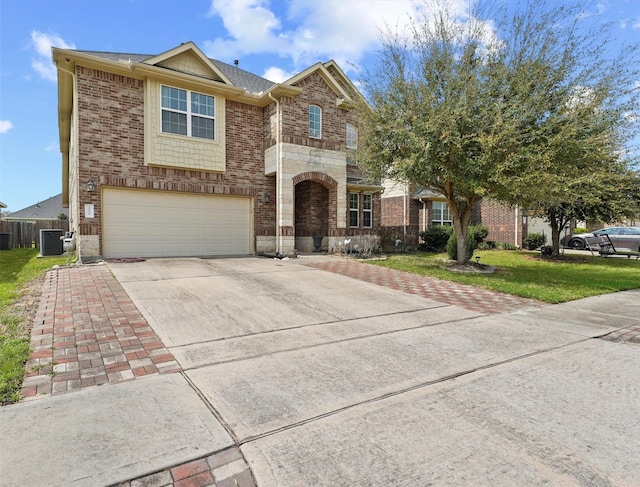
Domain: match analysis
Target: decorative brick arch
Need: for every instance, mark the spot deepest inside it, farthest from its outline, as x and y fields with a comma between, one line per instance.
x=314, y=208
x=319, y=177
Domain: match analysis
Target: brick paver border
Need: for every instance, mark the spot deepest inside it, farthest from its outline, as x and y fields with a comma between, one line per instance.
x=629, y=334
x=224, y=469
x=469, y=297
x=87, y=332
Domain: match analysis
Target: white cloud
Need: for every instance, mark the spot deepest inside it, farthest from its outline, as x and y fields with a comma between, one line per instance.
x=5, y=126
x=331, y=29
x=277, y=75
x=601, y=8
x=252, y=28
x=636, y=25
x=42, y=43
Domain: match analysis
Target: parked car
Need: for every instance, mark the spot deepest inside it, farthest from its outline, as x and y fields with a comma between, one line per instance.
x=627, y=238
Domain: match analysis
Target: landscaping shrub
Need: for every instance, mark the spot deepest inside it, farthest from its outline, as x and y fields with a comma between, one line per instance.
x=509, y=246
x=580, y=230
x=475, y=235
x=435, y=238
x=388, y=237
x=487, y=245
x=535, y=240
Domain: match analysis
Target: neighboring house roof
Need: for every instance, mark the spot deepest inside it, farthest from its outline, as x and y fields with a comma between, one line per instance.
x=48, y=209
x=362, y=184
x=425, y=194
x=2, y=205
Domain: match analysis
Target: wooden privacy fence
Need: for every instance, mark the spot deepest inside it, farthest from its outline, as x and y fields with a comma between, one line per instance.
x=27, y=234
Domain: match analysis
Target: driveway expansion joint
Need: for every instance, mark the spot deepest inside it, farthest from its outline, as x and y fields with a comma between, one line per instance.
x=423, y=385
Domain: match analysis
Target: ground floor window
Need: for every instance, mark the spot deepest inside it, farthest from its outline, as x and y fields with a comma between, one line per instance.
x=441, y=213
x=360, y=210
x=367, y=210
x=354, y=210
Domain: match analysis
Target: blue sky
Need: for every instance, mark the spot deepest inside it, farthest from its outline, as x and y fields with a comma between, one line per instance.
x=274, y=39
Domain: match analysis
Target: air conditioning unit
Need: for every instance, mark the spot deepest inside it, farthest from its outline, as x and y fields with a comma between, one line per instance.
x=51, y=242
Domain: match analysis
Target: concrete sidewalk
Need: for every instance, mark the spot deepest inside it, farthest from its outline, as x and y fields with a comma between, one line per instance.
x=324, y=379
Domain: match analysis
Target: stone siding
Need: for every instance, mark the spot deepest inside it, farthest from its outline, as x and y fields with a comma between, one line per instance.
x=172, y=150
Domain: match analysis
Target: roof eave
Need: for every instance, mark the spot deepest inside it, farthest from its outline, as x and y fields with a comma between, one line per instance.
x=328, y=78
x=373, y=188
x=189, y=46
x=65, y=72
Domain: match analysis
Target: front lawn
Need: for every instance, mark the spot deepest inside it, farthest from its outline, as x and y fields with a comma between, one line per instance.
x=526, y=274
x=19, y=297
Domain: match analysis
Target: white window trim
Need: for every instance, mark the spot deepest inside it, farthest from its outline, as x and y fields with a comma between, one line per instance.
x=188, y=113
x=351, y=144
x=441, y=221
x=365, y=211
x=356, y=210
x=319, y=135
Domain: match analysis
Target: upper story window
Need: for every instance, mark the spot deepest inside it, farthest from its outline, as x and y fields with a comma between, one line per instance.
x=315, y=122
x=188, y=113
x=367, y=210
x=352, y=136
x=441, y=213
x=351, y=143
x=354, y=210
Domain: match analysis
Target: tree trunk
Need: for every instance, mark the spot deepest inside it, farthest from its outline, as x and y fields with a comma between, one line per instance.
x=555, y=237
x=461, y=214
x=557, y=220
x=461, y=241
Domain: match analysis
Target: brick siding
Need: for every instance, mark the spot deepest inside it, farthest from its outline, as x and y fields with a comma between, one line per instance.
x=111, y=149
x=498, y=218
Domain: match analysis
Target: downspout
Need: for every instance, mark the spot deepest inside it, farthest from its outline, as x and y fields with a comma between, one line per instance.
x=516, y=225
x=65, y=165
x=404, y=216
x=278, y=176
x=73, y=74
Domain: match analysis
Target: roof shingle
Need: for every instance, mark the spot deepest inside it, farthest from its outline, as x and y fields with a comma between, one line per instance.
x=239, y=77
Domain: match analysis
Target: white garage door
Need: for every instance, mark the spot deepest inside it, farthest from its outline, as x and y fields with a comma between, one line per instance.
x=162, y=224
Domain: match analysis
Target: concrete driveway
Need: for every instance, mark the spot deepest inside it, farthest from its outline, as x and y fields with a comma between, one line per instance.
x=326, y=380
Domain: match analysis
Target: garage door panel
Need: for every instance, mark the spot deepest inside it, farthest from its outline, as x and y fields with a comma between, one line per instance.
x=140, y=223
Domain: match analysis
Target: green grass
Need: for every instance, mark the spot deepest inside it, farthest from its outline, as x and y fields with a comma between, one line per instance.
x=525, y=274
x=18, y=267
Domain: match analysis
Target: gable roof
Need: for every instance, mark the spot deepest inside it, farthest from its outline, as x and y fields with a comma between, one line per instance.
x=48, y=209
x=227, y=73
x=237, y=84
x=334, y=77
x=188, y=48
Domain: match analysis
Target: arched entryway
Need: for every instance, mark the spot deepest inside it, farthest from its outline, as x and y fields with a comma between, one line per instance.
x=314, y=210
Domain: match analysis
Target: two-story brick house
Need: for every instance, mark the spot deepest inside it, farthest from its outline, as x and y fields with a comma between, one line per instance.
x=177, y=154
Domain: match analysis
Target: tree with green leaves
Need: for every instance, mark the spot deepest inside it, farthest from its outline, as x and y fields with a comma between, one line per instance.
x=478, y=105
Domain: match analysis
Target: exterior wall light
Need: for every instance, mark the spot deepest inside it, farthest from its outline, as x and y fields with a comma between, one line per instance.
x=91, y=186
x=266, y=197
